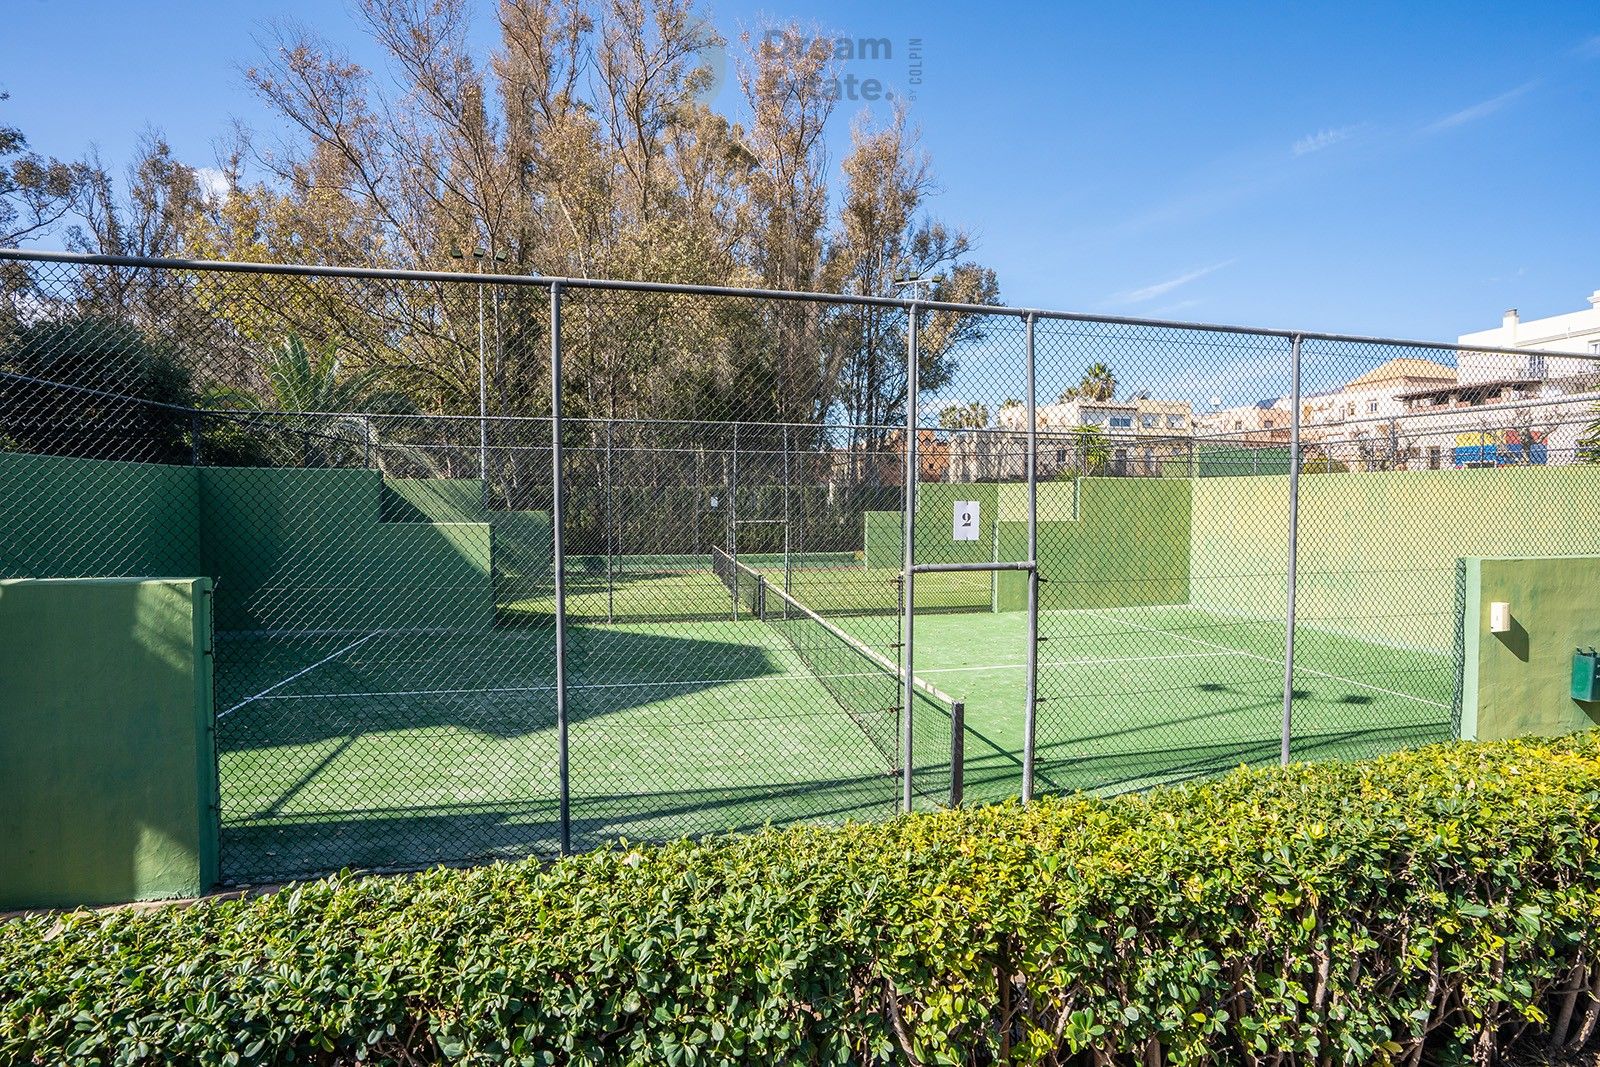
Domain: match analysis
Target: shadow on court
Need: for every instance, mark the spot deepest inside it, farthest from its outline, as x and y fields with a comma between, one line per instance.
x=281, y=849
x=284, y=693
x=1131, y=769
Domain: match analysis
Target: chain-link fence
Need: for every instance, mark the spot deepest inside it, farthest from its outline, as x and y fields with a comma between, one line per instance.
x=463, y=615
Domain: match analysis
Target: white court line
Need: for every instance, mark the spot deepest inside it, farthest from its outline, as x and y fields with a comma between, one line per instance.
x=1087, y=661
x=297, y=674
x=638, y=683
x=1266, y=659
x=642, y=683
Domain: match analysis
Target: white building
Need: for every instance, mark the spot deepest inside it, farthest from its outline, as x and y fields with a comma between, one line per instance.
x=1576, y=331
x=1124, y=437
x=1263, y=422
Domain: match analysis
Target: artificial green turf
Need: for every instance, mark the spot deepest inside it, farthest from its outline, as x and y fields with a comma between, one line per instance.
x=663, y=596
x=1135, y=696
x=399, y=749
x=409, y=748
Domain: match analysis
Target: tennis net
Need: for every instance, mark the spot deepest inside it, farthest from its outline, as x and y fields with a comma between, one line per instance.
x=867, y=685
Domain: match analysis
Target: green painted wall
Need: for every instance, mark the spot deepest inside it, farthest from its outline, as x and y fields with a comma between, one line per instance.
x=524, y=552
x=107, y=775
x=1057, y=501
x=885, y=535
x=433, y=500
x=306, y=550
x=1128, y=547
x=1517, y=683
x=1239, y=544
x=1378, y=550
x=72, y=518
x=1103, y=542
x=291, y=549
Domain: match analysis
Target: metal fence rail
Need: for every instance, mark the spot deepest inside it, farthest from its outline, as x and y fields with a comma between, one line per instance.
x=512, y=566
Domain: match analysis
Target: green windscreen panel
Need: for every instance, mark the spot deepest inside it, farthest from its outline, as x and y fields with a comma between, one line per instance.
x=107, y=772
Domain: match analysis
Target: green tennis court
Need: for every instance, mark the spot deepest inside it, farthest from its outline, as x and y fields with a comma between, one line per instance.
x=355, y=748
x=1136, y=696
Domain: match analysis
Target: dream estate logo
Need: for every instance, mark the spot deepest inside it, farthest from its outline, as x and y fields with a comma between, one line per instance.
x=849, y=54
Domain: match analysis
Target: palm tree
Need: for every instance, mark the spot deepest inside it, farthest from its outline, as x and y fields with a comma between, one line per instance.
x=1091, y=452
x=971, y=416
x=301, y=379
x=1098, y=383
x=323, y=415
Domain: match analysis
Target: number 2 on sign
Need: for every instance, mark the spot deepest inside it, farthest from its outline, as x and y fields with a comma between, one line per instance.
x=966, y=520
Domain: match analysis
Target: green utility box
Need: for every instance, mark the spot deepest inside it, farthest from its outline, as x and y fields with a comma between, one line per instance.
x=1585, y=667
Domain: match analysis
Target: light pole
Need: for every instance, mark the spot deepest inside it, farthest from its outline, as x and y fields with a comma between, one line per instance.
x=482, y=256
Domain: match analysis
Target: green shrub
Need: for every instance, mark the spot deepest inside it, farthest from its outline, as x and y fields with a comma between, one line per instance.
x=1327, y=913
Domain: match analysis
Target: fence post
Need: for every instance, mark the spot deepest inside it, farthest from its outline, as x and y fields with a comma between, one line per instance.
x=609, y=522
x=908, y=581
x=195, y=431
x=733, y=517
x=786, y=507
x=559, y=564
x=483, y=404
x=1294, y=550
x=1030, y=697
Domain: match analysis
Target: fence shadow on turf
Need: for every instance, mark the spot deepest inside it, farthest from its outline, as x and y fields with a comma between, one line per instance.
x=1135, y=769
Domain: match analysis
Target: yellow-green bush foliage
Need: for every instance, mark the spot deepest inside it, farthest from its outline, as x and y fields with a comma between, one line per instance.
x=1328, y=913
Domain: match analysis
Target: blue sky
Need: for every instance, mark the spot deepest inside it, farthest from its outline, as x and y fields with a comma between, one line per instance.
x=1406, y=169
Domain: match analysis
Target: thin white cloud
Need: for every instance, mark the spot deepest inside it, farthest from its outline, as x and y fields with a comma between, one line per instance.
x=1166, y=311
x=1588, y=49
x=1481, y=110
x=1316, y=142
x=1150, y=292
x=213, y=183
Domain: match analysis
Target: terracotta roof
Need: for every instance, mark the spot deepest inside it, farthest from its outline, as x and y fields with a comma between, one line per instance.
x=1405, y=367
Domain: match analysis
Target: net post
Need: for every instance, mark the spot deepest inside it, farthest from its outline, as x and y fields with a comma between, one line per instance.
x=1031, y=682
x=958, y=752
x=559, y=564
x=908, y=582
x=1294, y=552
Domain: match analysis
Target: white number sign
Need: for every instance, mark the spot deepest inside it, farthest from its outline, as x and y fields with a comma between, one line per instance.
x=966, y=520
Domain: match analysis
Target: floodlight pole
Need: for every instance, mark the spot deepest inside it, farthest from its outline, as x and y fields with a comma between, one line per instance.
x=1294, y=549
x=1030, y=692
x=908, y=573
x=559, y=565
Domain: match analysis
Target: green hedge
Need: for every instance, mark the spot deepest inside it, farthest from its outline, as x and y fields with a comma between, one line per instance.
x=1330, y=913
